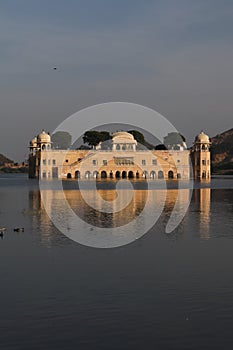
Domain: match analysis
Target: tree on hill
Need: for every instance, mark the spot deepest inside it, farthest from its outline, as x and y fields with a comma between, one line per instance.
x=93, y=137
x=61, y=140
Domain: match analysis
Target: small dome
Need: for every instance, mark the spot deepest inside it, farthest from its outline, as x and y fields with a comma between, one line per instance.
x=43, y=137
x=123, y=136
x=202, y=138
x=33, y=142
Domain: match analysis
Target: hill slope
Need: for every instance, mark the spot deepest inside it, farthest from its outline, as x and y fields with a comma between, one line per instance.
x=222, y=153
x=4, y=160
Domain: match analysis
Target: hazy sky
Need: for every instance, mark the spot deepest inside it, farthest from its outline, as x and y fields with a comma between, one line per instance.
x=173, y=56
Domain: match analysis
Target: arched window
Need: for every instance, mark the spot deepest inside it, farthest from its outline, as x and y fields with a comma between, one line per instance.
x=77, y=174
x=103, y=174
x=87, y=174
x=152, y=174
x=118, y=174
x=124, y=174
x=130, y=174
x=170, y=174
x=160, y=174
x=118, y=147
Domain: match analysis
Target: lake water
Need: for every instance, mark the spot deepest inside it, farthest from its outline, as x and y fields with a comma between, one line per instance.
x=163, y=291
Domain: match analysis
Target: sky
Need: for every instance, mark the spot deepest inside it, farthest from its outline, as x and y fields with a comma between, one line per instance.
x=173, y=56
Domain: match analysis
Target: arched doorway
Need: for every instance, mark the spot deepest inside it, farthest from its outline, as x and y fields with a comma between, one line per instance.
x=95, y=174
x=124, y=174
x=130, y=174
x=118, y=174
x=87, y=174
x=160, y=174
x=170, y=174
x=152, y=174
x=111, y=174
x=204, y=175
x=103, y=174
x=69, y=176
x=145, y=174
x=77, y=174
x=137, y=175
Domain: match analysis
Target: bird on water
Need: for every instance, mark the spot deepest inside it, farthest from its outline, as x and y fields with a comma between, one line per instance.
x=18, y=229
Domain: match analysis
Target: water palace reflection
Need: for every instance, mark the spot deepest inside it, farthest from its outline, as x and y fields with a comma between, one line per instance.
x=90, y=207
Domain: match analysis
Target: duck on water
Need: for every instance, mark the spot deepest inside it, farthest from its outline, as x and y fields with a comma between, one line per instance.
x=18, y=229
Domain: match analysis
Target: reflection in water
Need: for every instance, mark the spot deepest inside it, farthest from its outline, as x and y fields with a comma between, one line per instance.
x=175, y=207
x=97, y=217
x=49, y=234
x=179, y=197
x=152, y=291
x=202, y=199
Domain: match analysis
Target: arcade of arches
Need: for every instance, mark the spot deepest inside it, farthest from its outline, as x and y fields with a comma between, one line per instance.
x=125, y=174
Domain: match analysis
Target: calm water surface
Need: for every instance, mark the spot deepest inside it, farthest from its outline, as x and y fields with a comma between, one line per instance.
x=163, y=291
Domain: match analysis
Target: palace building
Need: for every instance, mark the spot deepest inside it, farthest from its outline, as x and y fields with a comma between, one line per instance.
x=122, y=159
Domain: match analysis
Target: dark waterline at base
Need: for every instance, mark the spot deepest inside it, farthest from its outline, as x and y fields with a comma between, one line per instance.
x=164, y=291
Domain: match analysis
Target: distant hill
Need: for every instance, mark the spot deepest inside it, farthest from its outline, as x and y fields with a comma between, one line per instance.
x=4, y=160
x=222, y=153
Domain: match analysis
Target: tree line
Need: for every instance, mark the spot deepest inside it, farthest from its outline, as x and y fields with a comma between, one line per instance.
x=91, y=138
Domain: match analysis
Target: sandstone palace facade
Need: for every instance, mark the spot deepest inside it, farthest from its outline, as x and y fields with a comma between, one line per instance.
x=122, y=160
